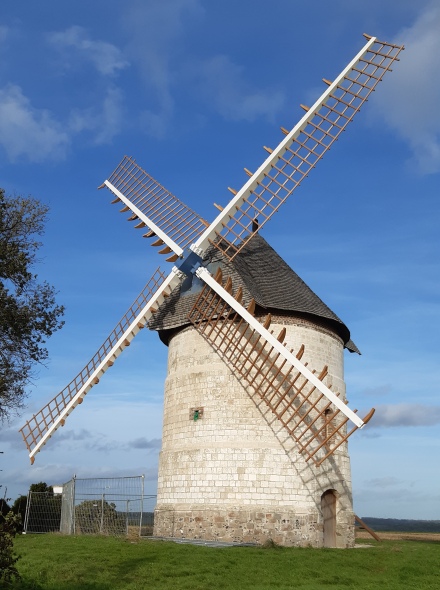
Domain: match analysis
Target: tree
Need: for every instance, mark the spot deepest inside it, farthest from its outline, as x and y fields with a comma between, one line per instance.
x=28, y=310
x=19, y=508
x=8, y=529
x=44, y=511
x=41, y=488
x=99, y=517
x=4, y=507
x=9, y=526
x=41, y=496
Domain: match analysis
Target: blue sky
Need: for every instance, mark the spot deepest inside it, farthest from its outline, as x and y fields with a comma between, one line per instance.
x=193, y=90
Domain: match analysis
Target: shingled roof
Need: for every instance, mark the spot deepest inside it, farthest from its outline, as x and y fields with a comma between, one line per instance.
x=265, y=277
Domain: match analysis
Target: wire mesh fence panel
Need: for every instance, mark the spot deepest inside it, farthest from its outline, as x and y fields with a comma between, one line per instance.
x=94, y=506
x=108, y=506
x=99, y=515
x=43, y=513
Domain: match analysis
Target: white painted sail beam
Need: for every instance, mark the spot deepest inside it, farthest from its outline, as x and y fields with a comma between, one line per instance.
x=155, y=228
x=206, y=277
x=170, y=282
x=229, y=210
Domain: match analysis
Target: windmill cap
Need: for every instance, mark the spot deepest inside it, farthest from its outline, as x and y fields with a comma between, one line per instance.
x=263, y=276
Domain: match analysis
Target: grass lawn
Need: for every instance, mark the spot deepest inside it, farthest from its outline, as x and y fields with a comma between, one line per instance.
x=54, y=562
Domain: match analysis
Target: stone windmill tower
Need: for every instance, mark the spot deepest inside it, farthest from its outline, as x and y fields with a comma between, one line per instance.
x=255, y=416
x=228, y=469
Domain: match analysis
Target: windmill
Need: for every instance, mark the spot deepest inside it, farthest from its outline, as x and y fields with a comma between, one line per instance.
x=255, y=417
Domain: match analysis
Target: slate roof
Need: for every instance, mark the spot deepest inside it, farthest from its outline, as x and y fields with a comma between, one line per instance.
x=264, y=276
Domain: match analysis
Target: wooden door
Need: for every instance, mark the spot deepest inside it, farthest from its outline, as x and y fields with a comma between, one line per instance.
x=328, y=507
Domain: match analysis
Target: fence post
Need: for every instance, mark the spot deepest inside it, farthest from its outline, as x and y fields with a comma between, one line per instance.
x=142, y=503
x=26, y=515
x=126, y=516
x=73, y=504
x=102, y=514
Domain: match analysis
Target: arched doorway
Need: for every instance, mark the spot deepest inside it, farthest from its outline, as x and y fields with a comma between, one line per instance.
x=328, y=509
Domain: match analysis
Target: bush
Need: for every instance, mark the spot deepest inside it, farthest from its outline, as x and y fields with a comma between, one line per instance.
x=9, y=525
x=99, y=517
x=4, y=507
x=19, y=508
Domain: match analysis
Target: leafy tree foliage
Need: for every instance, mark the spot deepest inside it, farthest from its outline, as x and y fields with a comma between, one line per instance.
x=4, y=507
x=28, y=310
x=99, y=517
x=8, y=529
x=45, y=509
x=19, y=508
x=20, y=504
x=41, y=487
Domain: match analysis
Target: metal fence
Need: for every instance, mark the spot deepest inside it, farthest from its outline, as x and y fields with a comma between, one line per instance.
x=43, y=513
x=105, y=506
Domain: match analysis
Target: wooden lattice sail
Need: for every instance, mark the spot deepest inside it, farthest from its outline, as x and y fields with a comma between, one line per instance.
x=153, y=206
x=314, y=416
x=311, y=413
x=38, y=430
x=294, y=158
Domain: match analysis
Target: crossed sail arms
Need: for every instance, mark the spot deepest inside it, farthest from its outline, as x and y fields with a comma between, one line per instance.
x=39, y=429
x=174, y=227
x=294, y=158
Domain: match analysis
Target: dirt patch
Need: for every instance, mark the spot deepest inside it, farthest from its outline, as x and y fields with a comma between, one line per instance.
x=397, y=536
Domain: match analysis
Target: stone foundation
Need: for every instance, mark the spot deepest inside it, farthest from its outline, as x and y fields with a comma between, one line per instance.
x=248, y=526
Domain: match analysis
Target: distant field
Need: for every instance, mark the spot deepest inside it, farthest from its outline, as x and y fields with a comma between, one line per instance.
x=401, y=536
x=404, y=525
x=54, y=562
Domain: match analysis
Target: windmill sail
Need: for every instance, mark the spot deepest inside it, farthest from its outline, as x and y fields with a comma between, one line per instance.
x=152, y=205
x=298, y=397
x=300, y=151
x=309, y=411
x=38, y=430
x=156, y=208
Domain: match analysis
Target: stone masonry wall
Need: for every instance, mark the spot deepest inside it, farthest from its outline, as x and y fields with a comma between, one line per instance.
x=235, y=473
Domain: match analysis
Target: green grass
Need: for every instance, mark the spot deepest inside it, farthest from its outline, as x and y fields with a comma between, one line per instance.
x=54, y=562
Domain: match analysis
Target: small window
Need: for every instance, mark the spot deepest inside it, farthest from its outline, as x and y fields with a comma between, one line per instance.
x=196, y=414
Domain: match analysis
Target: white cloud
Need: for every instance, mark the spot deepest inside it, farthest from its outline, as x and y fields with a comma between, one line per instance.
x=156, y=123
x=12, y=437
x=111, y=116
x=155, y=30
x=144, y=443
x=29, y=132
x=53, y=473
x=74, y=435
x=383, y=482
x=390, y=415
x=74, y=42
x=379, y=391
x=392, y=501
x=409, y=98
x=223, y=84
x=158, y=30
x=4, y=33
x=105, y=122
